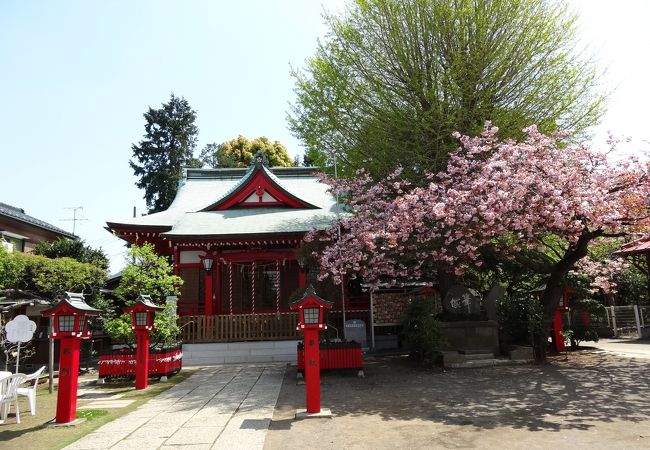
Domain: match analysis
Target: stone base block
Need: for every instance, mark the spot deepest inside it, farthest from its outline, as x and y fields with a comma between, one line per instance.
x=303, y=414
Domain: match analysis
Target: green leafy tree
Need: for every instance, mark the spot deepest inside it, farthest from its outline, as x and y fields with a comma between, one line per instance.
x=239, y=153
x=49, y=278
x=75, y=249
x=168, y=145
x=395, y=78
x=12, y=269
x=146, y=273
x=42, y=277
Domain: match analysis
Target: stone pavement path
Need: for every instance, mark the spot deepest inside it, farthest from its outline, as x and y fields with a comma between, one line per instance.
x=221, y=407
x=631, y=348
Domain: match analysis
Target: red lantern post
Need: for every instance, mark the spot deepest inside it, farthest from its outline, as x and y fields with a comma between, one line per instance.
x=558, y=323
x=71, y=319
x=311, y=322
x=142, y=313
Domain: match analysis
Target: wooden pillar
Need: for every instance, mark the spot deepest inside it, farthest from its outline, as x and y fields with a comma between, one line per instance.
x=647, y=259
x=217, y=286
x=177, y=260
x=302, y=278
x=207, y=310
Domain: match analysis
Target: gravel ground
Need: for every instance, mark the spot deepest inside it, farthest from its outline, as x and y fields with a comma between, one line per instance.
x=594, y=400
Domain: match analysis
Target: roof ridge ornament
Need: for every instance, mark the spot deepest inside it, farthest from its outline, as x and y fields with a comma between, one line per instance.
x=260, y=160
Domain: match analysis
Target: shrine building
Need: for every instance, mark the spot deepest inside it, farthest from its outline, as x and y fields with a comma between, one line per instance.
x=233, y=236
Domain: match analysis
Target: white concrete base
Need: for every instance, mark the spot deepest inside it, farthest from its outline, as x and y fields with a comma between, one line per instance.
x=69, y=424
x=303, y=414
x=239, y=352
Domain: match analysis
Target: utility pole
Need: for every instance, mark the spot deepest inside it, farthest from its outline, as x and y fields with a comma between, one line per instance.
x=74, y=216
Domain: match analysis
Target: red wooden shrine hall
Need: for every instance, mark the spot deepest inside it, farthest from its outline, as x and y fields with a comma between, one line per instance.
x=233, y=236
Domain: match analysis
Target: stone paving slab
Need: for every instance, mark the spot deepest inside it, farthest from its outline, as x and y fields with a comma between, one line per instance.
x=219, y=407
x=187, y=447
x=106, y=404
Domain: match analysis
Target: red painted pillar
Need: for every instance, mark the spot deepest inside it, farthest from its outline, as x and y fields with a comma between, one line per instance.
x=302, y=278
x=208, y=294
x=312, y=370
x=142, y=359
x=217, y=295
x=66, y=401
x=558, y=326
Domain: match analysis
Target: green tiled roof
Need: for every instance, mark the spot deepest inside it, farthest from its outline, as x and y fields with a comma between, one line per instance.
x=204, y=187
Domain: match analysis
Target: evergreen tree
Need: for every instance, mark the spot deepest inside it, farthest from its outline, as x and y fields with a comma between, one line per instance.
x=75, y=249
x=168, y=145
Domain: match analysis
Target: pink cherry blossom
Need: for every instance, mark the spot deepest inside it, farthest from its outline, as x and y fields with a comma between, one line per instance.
x=511, y=196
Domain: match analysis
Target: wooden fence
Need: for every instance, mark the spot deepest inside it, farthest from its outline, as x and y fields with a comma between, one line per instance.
x=257, y=327
x=239, y=327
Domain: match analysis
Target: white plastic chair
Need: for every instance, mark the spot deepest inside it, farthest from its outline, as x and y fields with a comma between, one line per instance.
x=8, y=394
x=30, y=392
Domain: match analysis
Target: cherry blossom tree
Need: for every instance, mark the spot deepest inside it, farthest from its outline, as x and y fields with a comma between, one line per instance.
x=537, y=196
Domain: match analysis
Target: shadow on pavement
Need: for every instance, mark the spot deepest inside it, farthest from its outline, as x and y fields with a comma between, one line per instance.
x=589, y=387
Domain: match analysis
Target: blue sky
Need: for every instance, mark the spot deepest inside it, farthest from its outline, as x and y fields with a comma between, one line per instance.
x=78, y=75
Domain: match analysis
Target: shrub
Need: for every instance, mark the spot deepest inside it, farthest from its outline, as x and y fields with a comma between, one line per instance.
x=421, y=331
x=583, y=334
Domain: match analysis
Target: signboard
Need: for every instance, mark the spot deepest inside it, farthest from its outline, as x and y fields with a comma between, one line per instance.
x=20, y=329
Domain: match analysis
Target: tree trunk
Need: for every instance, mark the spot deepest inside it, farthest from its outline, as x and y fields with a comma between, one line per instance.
x=554, y=288
x=446, y=279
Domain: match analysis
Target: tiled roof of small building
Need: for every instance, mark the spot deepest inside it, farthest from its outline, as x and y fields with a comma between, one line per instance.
x=19, y=214
x=635, y=247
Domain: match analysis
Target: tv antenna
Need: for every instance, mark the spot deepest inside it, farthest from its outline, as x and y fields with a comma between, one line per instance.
x=74, y=219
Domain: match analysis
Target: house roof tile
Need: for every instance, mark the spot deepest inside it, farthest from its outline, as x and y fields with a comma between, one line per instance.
x=19, y=214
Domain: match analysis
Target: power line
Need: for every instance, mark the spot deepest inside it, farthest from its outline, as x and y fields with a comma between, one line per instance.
x=74, y=216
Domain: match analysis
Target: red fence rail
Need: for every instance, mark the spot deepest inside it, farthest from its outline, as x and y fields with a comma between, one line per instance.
x=335, y=356
x=120, y=364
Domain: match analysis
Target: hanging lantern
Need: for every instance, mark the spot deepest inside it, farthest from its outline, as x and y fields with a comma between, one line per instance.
x=207, y=261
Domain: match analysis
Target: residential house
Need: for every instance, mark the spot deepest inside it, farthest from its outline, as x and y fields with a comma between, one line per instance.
x=21, y=232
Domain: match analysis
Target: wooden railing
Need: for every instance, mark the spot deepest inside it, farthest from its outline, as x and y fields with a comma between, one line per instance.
x=239, y=327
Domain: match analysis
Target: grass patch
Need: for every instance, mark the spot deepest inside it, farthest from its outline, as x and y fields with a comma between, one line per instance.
x=33, y=431
x=90, y=414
